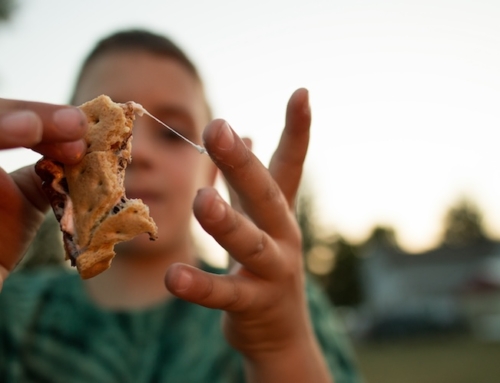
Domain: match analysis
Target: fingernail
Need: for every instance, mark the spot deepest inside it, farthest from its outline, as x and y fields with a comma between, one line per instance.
x=23, y=126
x=184, y=280
x=68, y=119
x=225, y=137
x=217, y=210
x=73, y=151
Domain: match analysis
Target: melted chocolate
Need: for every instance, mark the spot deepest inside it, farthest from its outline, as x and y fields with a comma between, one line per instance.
x=50, y=171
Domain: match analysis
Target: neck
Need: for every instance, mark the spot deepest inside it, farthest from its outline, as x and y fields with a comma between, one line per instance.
x=135, y=282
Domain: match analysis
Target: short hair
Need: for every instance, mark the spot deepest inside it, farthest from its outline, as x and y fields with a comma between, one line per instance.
x=137, y=39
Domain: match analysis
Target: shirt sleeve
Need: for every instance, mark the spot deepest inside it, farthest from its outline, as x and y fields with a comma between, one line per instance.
x=19, y=301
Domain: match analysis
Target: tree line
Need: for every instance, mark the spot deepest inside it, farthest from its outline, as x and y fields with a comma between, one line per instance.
x=335, y=262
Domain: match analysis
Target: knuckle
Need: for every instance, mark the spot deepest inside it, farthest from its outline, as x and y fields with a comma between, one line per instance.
x=240, y=161
x=230, y=225
x=234, y=297
x=257, y=252
x=207, y=291
x=263, y=254
x=273, y=194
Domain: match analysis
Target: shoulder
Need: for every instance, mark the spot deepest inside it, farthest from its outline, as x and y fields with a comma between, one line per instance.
x=331, y=335
x=321, y=307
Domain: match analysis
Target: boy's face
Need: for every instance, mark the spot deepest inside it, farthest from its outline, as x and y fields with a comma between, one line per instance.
x=165, y=171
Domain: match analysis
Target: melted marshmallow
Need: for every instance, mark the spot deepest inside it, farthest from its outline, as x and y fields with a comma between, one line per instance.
x=140, y=111
x=67, y=222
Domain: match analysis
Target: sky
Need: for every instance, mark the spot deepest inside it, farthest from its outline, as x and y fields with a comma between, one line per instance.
x=405, y=95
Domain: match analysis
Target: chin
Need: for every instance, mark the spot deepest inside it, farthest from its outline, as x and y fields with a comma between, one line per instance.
x=140, y=245
x=143, y=246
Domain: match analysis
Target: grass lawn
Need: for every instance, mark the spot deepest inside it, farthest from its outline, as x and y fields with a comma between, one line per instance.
x=457, y=359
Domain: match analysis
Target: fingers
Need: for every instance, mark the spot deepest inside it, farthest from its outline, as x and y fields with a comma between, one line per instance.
x=247, y=244
x=49, y=129
x=259, y=195
x=30, y=186
x=66, y=152
x=22, y=208
x=288, y=159
x=60, y=123
x=233, y=196
x=260, y=231
x=24, y=128
x=260, y=190
x=230, y=293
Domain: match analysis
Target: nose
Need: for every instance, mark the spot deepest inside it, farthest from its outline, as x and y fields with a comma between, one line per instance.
x=142, y=153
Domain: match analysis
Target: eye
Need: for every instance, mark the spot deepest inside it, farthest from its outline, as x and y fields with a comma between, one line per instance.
x=168, y=135
x=180, y=130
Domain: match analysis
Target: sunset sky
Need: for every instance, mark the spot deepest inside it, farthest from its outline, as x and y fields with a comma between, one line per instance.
x=405, y=94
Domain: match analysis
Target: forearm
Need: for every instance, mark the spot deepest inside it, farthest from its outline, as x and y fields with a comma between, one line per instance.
x=301, y=363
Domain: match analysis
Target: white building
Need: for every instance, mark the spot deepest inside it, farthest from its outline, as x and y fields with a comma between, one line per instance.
x=439, y=290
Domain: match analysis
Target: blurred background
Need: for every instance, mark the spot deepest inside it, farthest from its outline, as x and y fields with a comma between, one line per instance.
x=400, y=208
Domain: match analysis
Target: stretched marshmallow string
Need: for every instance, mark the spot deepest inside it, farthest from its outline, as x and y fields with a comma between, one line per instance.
x=141, y=110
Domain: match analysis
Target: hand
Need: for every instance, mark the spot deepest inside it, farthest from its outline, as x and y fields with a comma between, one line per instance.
x=52, y=130
x=263, y=297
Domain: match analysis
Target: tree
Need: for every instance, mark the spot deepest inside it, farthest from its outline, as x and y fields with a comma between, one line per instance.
x=305, y=218
x=343, y=285
x=6, y=8
x=332, y=261
x=463, y=224
x=382, y=235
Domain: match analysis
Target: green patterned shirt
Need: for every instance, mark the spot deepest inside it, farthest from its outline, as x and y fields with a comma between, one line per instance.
x=50, y=331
